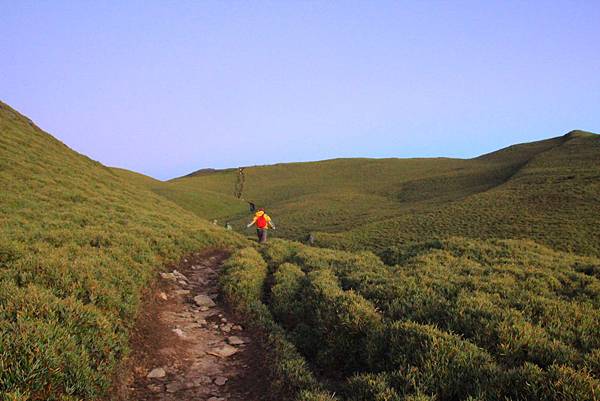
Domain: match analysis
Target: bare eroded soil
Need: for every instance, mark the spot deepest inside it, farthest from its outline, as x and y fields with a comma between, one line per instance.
x=187, y=346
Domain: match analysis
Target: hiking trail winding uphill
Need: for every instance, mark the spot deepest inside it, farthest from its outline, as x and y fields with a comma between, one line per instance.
x=186, y=345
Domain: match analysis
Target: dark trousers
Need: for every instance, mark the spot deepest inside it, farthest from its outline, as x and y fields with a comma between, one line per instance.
x=262, y=235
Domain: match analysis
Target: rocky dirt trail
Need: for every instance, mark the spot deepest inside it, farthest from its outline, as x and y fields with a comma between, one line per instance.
x=187, y=346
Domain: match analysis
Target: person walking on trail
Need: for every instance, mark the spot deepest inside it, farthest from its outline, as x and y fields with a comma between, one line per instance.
x=263, y=222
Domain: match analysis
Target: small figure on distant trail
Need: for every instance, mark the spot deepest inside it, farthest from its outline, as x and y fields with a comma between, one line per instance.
x=228, y=226
x=310, y=239
x=263, y=222
x=252, y=207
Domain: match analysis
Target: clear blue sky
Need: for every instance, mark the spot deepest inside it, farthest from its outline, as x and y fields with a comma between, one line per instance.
x=168, y=87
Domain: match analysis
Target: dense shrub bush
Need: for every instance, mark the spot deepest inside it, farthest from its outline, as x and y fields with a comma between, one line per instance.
x=370, y=387
x=337, y=327
x=445, y=364
x=242, y=281
x=243, y=277
x=287, y=302
x=280, y=251
x=462, y=319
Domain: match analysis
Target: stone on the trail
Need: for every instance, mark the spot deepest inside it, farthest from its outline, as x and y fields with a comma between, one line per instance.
x=198, y=381
x=180, y=275
x=182, y=292
x=216, y=399
x=168, y=276
x=174, y=387
x=223, y=352
x=182, y=282
x=226, y=328
x=179, y=332
x=162, y=296
x=237, y=327
x=155, y=388
x=204, y=301
x=220, y=380
x=235, y=340
x=223, y=320
x=156, y=373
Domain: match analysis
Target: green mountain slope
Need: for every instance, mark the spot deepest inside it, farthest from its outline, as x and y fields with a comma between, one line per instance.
x=336, y=195
x=78, y=244
x=202, y=202
x=542, y=190
x=551, y=199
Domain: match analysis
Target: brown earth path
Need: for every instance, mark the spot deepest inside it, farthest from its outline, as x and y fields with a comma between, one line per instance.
x=187, y=346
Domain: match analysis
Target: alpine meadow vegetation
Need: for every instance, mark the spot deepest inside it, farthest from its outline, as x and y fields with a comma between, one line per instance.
x=428, y=279
x=453, y=320
x=545, y=191
x=78, y=245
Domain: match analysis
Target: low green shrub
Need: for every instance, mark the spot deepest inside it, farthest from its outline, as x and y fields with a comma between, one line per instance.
x=370, y=387
x=243, y=277
x=242, y=281
x=286, y=302
x=558, y=383
x=336, y=327
x=279, y=251
x=445, y=364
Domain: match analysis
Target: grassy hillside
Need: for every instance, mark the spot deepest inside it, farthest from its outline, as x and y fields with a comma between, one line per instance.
x=78, y=244
x=551, y=199
x=202, y=202
x=335, y=195
x=464, y=303
x=545, y=190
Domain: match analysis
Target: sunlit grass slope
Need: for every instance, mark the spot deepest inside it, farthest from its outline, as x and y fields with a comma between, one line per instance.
x=78, y=244
x=546, y=191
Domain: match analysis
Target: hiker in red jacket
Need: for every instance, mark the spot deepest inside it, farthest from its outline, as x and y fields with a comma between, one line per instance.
x=263, y=222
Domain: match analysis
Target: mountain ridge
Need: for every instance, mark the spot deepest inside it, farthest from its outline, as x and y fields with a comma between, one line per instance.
x=565, y=137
